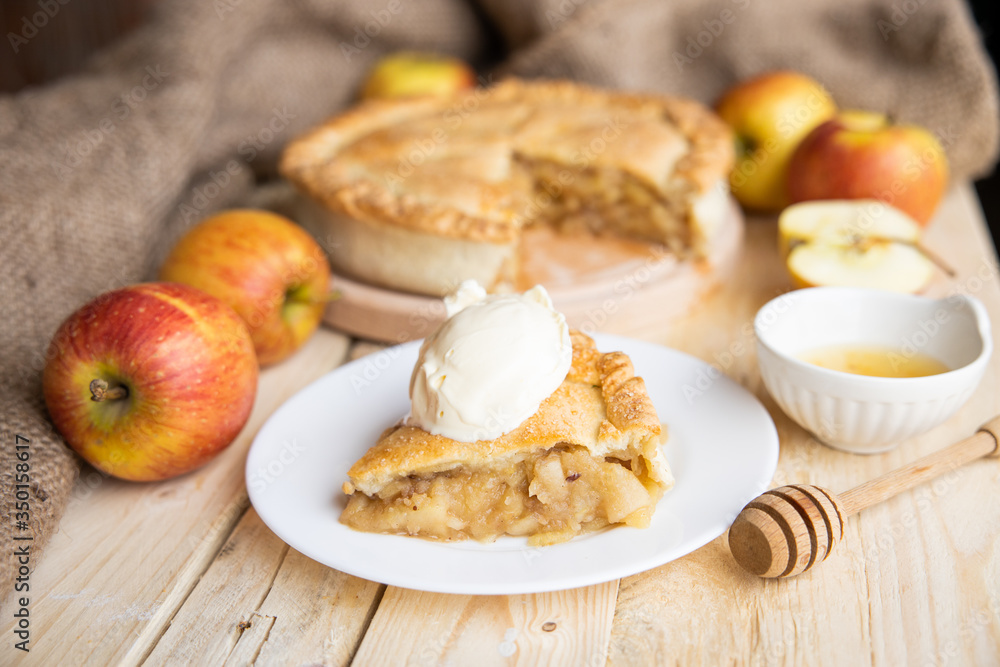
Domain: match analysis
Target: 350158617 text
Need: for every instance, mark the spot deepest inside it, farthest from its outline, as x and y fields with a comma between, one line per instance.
x=22, y=541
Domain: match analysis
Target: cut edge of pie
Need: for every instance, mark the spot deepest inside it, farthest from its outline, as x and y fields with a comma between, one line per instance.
x=587, y=459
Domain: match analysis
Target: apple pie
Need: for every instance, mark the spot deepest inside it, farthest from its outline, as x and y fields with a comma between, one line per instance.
x=587, y=459
x=420, y=194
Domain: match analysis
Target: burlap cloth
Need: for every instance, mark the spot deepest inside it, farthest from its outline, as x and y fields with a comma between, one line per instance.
x=101, y=172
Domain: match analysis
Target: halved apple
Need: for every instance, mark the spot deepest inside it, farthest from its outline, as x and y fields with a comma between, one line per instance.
x=856, y=243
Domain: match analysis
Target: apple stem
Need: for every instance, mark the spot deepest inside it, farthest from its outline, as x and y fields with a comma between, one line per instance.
x=99, y=391
x=923, y=250
x=935, y=259
x=332, y=296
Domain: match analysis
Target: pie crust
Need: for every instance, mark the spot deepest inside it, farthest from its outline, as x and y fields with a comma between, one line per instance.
x=479, y=167
x=588, y=458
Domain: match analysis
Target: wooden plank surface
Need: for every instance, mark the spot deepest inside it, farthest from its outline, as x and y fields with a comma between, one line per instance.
x=915, y=580
x=184, y=572
x=569, y=628
x=127, y=555
x=222, y=607
x=261, y=600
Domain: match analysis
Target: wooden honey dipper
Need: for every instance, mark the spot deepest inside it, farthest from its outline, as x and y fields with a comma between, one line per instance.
x=787, y=530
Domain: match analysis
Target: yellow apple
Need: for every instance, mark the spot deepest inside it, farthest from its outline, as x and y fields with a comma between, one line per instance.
x=861, y=155
x=411, y=74
x=855, y=243
x=770, y=115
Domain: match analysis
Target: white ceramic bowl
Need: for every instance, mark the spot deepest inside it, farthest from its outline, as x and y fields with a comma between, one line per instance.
x=859, y=413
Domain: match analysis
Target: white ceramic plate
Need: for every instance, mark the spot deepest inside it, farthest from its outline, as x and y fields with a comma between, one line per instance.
x=723, y=450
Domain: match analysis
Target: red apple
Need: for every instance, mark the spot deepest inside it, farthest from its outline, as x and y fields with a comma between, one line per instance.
x=150, y=381
x=861, y=155
x=273, y=274
x=411, y=74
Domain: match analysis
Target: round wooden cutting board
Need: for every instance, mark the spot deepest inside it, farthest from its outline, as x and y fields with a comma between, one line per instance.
x=600, y=283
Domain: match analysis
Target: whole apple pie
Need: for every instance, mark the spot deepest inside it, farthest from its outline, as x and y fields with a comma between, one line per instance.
x=588, y=458
x=420, y=194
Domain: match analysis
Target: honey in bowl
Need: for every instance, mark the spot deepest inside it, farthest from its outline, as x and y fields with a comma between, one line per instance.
x=874, y=360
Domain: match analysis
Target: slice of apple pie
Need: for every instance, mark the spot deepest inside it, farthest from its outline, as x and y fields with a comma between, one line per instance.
x=588, y=458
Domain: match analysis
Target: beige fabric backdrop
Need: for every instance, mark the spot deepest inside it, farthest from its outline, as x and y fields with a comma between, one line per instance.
x=99, y=173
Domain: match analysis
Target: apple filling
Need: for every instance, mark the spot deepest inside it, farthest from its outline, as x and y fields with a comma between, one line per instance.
x=588, y=458
x=548, y=495
x=606, y=199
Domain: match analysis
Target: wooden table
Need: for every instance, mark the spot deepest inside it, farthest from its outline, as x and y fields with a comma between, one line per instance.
x=184, y=571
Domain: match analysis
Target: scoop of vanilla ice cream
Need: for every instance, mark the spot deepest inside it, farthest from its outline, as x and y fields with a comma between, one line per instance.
x=490, y=364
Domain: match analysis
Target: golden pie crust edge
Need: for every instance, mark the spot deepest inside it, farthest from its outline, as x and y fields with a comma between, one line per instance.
x=630, y=415
x=710, y=158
